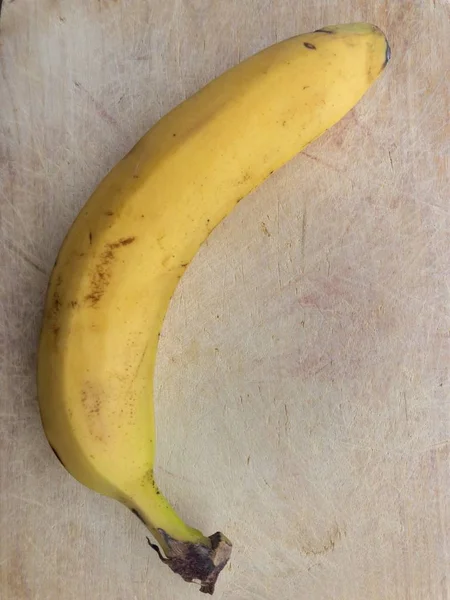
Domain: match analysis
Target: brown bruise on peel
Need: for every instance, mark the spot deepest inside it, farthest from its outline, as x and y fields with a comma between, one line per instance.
x=92, y=402
x=309, y=46
x=102, y=274
x=122, y=242
x=55, y=307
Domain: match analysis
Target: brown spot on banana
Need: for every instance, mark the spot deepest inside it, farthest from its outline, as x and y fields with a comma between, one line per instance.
x=102, y=274
x=122, y=242
x=244, y=179
x=55, y=307
x=92, y=403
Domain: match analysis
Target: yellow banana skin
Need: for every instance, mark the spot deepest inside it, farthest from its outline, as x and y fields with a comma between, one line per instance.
x=126, y=251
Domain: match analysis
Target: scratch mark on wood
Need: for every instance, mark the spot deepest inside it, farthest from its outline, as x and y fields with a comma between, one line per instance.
x=286, y=420
x=27, y=500
x=27, y=259
x=328, y=364
x=265, y=230
x=98, y=106
x=390, y=160
x=303, y=233
x=278, y=243
x=438, y=446
x=321, y=161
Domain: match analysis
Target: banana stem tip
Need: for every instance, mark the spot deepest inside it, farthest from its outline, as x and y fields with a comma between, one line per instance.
x=195, y=561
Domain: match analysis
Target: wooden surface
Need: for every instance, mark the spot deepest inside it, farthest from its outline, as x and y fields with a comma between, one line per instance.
x=303, y=374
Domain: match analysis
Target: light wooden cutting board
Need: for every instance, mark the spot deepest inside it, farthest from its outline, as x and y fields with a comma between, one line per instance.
x=303, y=374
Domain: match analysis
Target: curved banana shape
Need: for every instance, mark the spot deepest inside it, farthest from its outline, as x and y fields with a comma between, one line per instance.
x=126, y=251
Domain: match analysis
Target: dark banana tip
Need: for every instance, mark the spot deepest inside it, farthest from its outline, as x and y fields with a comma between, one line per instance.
x=196, y=561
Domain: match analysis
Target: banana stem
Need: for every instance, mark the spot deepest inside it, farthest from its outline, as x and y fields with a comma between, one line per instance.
x=187, y=551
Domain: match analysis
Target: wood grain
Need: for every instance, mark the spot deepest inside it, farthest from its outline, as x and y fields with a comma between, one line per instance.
x=303, y=373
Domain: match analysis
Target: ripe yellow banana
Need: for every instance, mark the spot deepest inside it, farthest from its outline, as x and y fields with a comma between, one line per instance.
x=126, y=251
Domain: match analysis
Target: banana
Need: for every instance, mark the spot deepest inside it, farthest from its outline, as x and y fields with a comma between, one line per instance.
x=130, y=244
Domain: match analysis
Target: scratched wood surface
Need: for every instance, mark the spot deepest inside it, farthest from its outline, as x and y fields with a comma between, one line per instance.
x=303, y=373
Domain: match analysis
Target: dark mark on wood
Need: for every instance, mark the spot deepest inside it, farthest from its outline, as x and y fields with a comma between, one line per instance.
x=309, y=46
x=335, y=536
x=390, y=160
